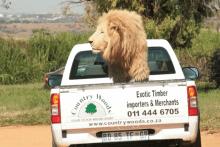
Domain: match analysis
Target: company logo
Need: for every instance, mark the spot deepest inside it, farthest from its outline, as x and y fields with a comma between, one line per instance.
x=91, y=108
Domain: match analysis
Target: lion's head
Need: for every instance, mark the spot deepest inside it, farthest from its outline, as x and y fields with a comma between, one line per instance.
x=99, y=39
x=119, y=36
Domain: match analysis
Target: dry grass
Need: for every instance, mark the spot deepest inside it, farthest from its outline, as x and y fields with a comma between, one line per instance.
x=5, y=113
x=53, y=27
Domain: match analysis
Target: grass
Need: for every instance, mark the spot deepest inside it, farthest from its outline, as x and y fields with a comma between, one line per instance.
x=24, y=105
x=28, y=104
x=211, y=132
x=209, y=103
x=24, y=30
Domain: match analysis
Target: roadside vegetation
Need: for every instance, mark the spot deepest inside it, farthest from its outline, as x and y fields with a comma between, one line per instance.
x=26, y=104
x=27, y=61
x=209, y=105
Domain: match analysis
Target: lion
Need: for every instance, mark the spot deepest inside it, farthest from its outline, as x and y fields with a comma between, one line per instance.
x=120, y=38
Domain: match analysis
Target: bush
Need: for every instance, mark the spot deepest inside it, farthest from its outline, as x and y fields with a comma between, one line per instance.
x=215, y=67
x=199, y=55
x=163, y=30
x=16, y=64
x=28, y=61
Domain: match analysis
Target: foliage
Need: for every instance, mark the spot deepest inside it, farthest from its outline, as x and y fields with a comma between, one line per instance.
x=29, y=60
x=215, y=68
x=199, y=55
x=14, y=62
x=185, y=16
x=42, y=31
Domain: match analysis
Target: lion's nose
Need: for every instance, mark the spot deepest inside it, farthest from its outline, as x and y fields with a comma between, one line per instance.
x=90, y=41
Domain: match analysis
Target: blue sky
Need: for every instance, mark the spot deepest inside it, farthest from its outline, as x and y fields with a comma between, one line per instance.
x=38, y=6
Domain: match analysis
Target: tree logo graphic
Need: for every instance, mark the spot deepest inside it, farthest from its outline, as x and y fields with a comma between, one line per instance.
x=91, y=108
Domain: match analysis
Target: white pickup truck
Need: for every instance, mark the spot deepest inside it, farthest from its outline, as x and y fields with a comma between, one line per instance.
x=88, y=109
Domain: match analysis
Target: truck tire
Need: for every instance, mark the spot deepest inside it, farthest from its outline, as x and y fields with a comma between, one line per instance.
x=197, y=143
x=54, y=143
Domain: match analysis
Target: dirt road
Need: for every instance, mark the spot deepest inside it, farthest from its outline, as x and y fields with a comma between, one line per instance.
x=25, y=136
x=40, y=136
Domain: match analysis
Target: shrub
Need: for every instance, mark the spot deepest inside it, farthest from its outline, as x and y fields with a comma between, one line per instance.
x=16, y=64
x=23, y=30
x=215, y=67
x=199, y=55
x=164, y=29
x=28, y=61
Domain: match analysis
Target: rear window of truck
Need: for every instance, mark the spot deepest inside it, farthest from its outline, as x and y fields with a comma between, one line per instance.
x=88, y=65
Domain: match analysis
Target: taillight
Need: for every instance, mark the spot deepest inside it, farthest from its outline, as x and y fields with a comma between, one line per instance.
x=46, y=78
x=192, y=100
x=55, y=108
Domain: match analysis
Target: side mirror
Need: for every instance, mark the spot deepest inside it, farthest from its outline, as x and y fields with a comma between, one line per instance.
x=54, y=80
x=190, y=72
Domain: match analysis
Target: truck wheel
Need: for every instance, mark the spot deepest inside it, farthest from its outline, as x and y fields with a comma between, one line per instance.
x=53, y=143
x=197, y=143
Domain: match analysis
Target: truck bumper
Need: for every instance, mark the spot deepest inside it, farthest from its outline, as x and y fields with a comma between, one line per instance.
x=162, y=132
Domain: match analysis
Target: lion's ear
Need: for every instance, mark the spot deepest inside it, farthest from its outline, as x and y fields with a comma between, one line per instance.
x=113, y=27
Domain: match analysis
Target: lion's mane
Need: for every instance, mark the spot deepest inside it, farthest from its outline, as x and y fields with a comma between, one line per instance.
x=126, y=51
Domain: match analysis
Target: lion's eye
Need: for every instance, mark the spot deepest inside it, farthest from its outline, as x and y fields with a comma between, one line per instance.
x=101, y=32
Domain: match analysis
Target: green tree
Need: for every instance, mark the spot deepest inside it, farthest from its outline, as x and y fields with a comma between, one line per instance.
x=174, y=20
x=91, y=108
x=42, y=31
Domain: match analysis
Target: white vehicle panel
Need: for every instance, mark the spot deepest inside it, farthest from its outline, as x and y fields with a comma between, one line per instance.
x=123, y=107
x=162, y=132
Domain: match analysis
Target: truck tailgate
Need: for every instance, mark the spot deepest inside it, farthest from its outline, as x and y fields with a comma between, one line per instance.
x=123, y=105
